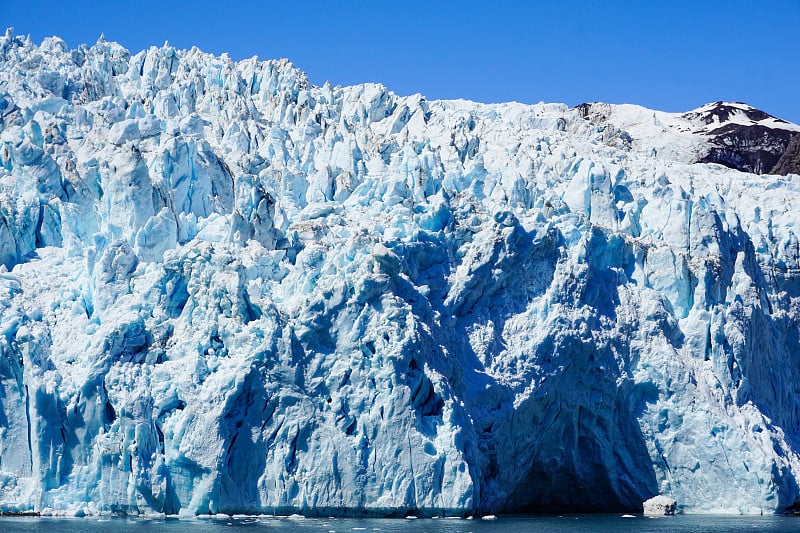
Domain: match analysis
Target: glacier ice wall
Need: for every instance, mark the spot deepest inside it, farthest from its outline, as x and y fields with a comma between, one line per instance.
x=224, y=289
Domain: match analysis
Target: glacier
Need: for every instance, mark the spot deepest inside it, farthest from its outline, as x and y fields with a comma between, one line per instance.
x=227, y=290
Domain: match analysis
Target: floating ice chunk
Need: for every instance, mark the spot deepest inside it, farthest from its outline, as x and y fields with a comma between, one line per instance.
x=660, y=506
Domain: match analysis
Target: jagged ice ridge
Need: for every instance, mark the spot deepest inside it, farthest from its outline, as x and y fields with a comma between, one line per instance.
x=225, y=289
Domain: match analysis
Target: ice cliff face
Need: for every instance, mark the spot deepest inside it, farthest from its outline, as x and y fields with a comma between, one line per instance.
x=225, y=289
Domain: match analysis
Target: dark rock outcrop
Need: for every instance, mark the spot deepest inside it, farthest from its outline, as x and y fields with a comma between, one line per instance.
x=742, y=137
x=789, y=163
x=749, y=148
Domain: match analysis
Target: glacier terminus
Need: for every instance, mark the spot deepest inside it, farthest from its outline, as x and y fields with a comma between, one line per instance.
x=227, y=290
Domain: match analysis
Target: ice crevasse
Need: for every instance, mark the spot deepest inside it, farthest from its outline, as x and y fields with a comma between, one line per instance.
x=224, y=289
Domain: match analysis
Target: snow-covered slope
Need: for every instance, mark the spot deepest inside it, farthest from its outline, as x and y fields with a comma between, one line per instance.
x=225, y=289
x=729, y=133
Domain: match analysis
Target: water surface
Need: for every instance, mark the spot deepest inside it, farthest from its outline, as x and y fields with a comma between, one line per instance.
x=577, y=523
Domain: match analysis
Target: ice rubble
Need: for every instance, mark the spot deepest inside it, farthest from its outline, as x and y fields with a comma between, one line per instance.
x=660, y=506
x=225, y=289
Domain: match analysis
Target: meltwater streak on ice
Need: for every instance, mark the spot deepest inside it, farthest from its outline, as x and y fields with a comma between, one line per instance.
x=225, y=289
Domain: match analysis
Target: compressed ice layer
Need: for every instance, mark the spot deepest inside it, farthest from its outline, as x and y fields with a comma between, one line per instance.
x=227, y=290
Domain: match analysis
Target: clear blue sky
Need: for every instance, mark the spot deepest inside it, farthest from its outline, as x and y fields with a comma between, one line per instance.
x=668, y=55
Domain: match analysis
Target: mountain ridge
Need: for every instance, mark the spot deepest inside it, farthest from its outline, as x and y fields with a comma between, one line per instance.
x=732, y=134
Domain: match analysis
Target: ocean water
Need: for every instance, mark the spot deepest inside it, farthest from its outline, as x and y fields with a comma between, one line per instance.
x=587, y=523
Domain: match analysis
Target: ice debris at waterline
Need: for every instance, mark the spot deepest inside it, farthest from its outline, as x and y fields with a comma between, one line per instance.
x=227, y=290
x=660, y=506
